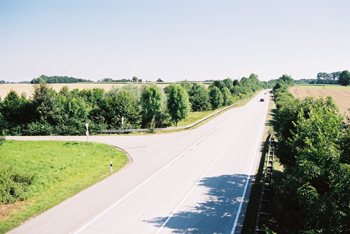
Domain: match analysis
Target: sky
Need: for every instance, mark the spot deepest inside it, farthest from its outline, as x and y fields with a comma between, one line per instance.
x=173, y=39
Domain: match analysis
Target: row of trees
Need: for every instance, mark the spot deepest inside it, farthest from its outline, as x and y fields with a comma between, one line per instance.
x=57, y=79
x=147, y=106
x=314, y=149
x=341, y=78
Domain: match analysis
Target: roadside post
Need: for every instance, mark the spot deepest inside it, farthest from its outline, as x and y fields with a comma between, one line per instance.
x=122, y=121
x=87, y=132
x=110, y=163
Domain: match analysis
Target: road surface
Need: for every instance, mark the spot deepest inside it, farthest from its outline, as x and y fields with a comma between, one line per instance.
x=195, y=181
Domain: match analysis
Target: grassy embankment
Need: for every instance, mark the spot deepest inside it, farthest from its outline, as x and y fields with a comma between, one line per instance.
x=254, y=199
x=60, y=169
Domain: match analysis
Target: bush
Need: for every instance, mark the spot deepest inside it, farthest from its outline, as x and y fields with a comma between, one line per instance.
x=13, y=184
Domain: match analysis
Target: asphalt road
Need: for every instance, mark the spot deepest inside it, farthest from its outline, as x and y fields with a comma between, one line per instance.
x=195, y=181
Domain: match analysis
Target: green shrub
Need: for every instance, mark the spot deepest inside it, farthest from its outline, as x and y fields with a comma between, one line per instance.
x=13, y=184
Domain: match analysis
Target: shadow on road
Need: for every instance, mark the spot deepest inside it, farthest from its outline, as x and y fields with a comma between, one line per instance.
x=215, y=214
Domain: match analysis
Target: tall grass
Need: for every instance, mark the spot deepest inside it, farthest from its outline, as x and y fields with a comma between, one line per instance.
x=61, y=170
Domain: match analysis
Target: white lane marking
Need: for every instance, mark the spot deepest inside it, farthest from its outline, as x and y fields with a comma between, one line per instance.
x=162, y=169
x=198, y=181
x=248, y=179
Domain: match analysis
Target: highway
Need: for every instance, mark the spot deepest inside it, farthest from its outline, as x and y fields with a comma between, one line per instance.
x=194, y=181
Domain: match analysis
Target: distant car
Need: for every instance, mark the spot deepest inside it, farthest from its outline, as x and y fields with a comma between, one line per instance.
x=262, y=100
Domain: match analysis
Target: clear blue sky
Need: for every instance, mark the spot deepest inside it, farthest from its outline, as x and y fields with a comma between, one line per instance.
x=173, y=39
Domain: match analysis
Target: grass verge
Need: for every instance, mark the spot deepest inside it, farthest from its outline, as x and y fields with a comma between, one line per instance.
x=60, y=169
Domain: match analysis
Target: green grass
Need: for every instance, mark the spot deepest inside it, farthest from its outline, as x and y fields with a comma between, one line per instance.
x=61, y=170
x=321, y=86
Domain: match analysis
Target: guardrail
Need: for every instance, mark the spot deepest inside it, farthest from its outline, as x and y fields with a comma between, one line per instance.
x=262, y=216
x=169, y=128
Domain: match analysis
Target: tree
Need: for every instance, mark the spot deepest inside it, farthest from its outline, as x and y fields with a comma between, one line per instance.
x=135, y=79
x=218, y=83
x=159, y=80
x=216, y=99
x=186, y=85
x=151, y=100
x=344, y=78
x=199, y=98
x=228, y=83
x=236, y=83
x=226, y=96
x=178, y=103
x=122, y=105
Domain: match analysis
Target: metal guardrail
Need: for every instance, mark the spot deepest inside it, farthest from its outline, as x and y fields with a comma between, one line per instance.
x=170, y=128
x=262, y=216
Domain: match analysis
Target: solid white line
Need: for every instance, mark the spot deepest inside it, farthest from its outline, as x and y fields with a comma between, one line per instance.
x=198, y=181
x=143, y=183
x=247, y=182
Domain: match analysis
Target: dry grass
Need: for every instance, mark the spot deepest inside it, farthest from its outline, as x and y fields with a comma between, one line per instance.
x=340, y=97
x=28, y=88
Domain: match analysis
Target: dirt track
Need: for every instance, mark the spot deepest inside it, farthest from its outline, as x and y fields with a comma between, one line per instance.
x=340, y=97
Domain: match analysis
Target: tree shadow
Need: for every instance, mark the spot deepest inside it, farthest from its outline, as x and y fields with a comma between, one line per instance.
x=273, y=121
x=216, y=214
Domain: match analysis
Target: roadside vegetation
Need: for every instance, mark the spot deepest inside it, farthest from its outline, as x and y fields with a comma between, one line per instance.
x=66, y=112
x=312, y=193
x=35, y=176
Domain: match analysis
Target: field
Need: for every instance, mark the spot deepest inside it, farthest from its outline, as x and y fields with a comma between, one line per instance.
x=340, y=94
x=28, y=88
x=61, y=170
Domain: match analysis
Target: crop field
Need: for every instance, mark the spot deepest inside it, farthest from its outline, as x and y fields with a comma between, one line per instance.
x=340, y=94
x=28, y=88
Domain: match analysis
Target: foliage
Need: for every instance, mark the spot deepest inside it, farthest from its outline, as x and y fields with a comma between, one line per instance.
x=199, y=98
x=151, y=101
x=47, y=112
x=219, y=84
x=313, y=140
x=178, y=103
x=327, y=78
x=228, y=83
x=186, y=85
x=135, y=79
x=226, y=96
x=123, y=105
x=216, y=99
x=13, y=184
x=111, y=80
x=344, y=78
x=57, y=79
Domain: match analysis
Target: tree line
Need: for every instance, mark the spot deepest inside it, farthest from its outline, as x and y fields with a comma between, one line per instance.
x=313, y=195
x=57, y=79
x=65, y=112
x=341, y=78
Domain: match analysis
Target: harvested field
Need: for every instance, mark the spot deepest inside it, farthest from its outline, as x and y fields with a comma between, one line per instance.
x=28, y=88
x=340, y=97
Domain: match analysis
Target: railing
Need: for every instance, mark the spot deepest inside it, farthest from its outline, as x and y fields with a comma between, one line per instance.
x=170, y=128
x=262, y=216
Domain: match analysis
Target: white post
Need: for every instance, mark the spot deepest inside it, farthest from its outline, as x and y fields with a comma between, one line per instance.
x=87, y=132
x=122, y=121
x=110, y=163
